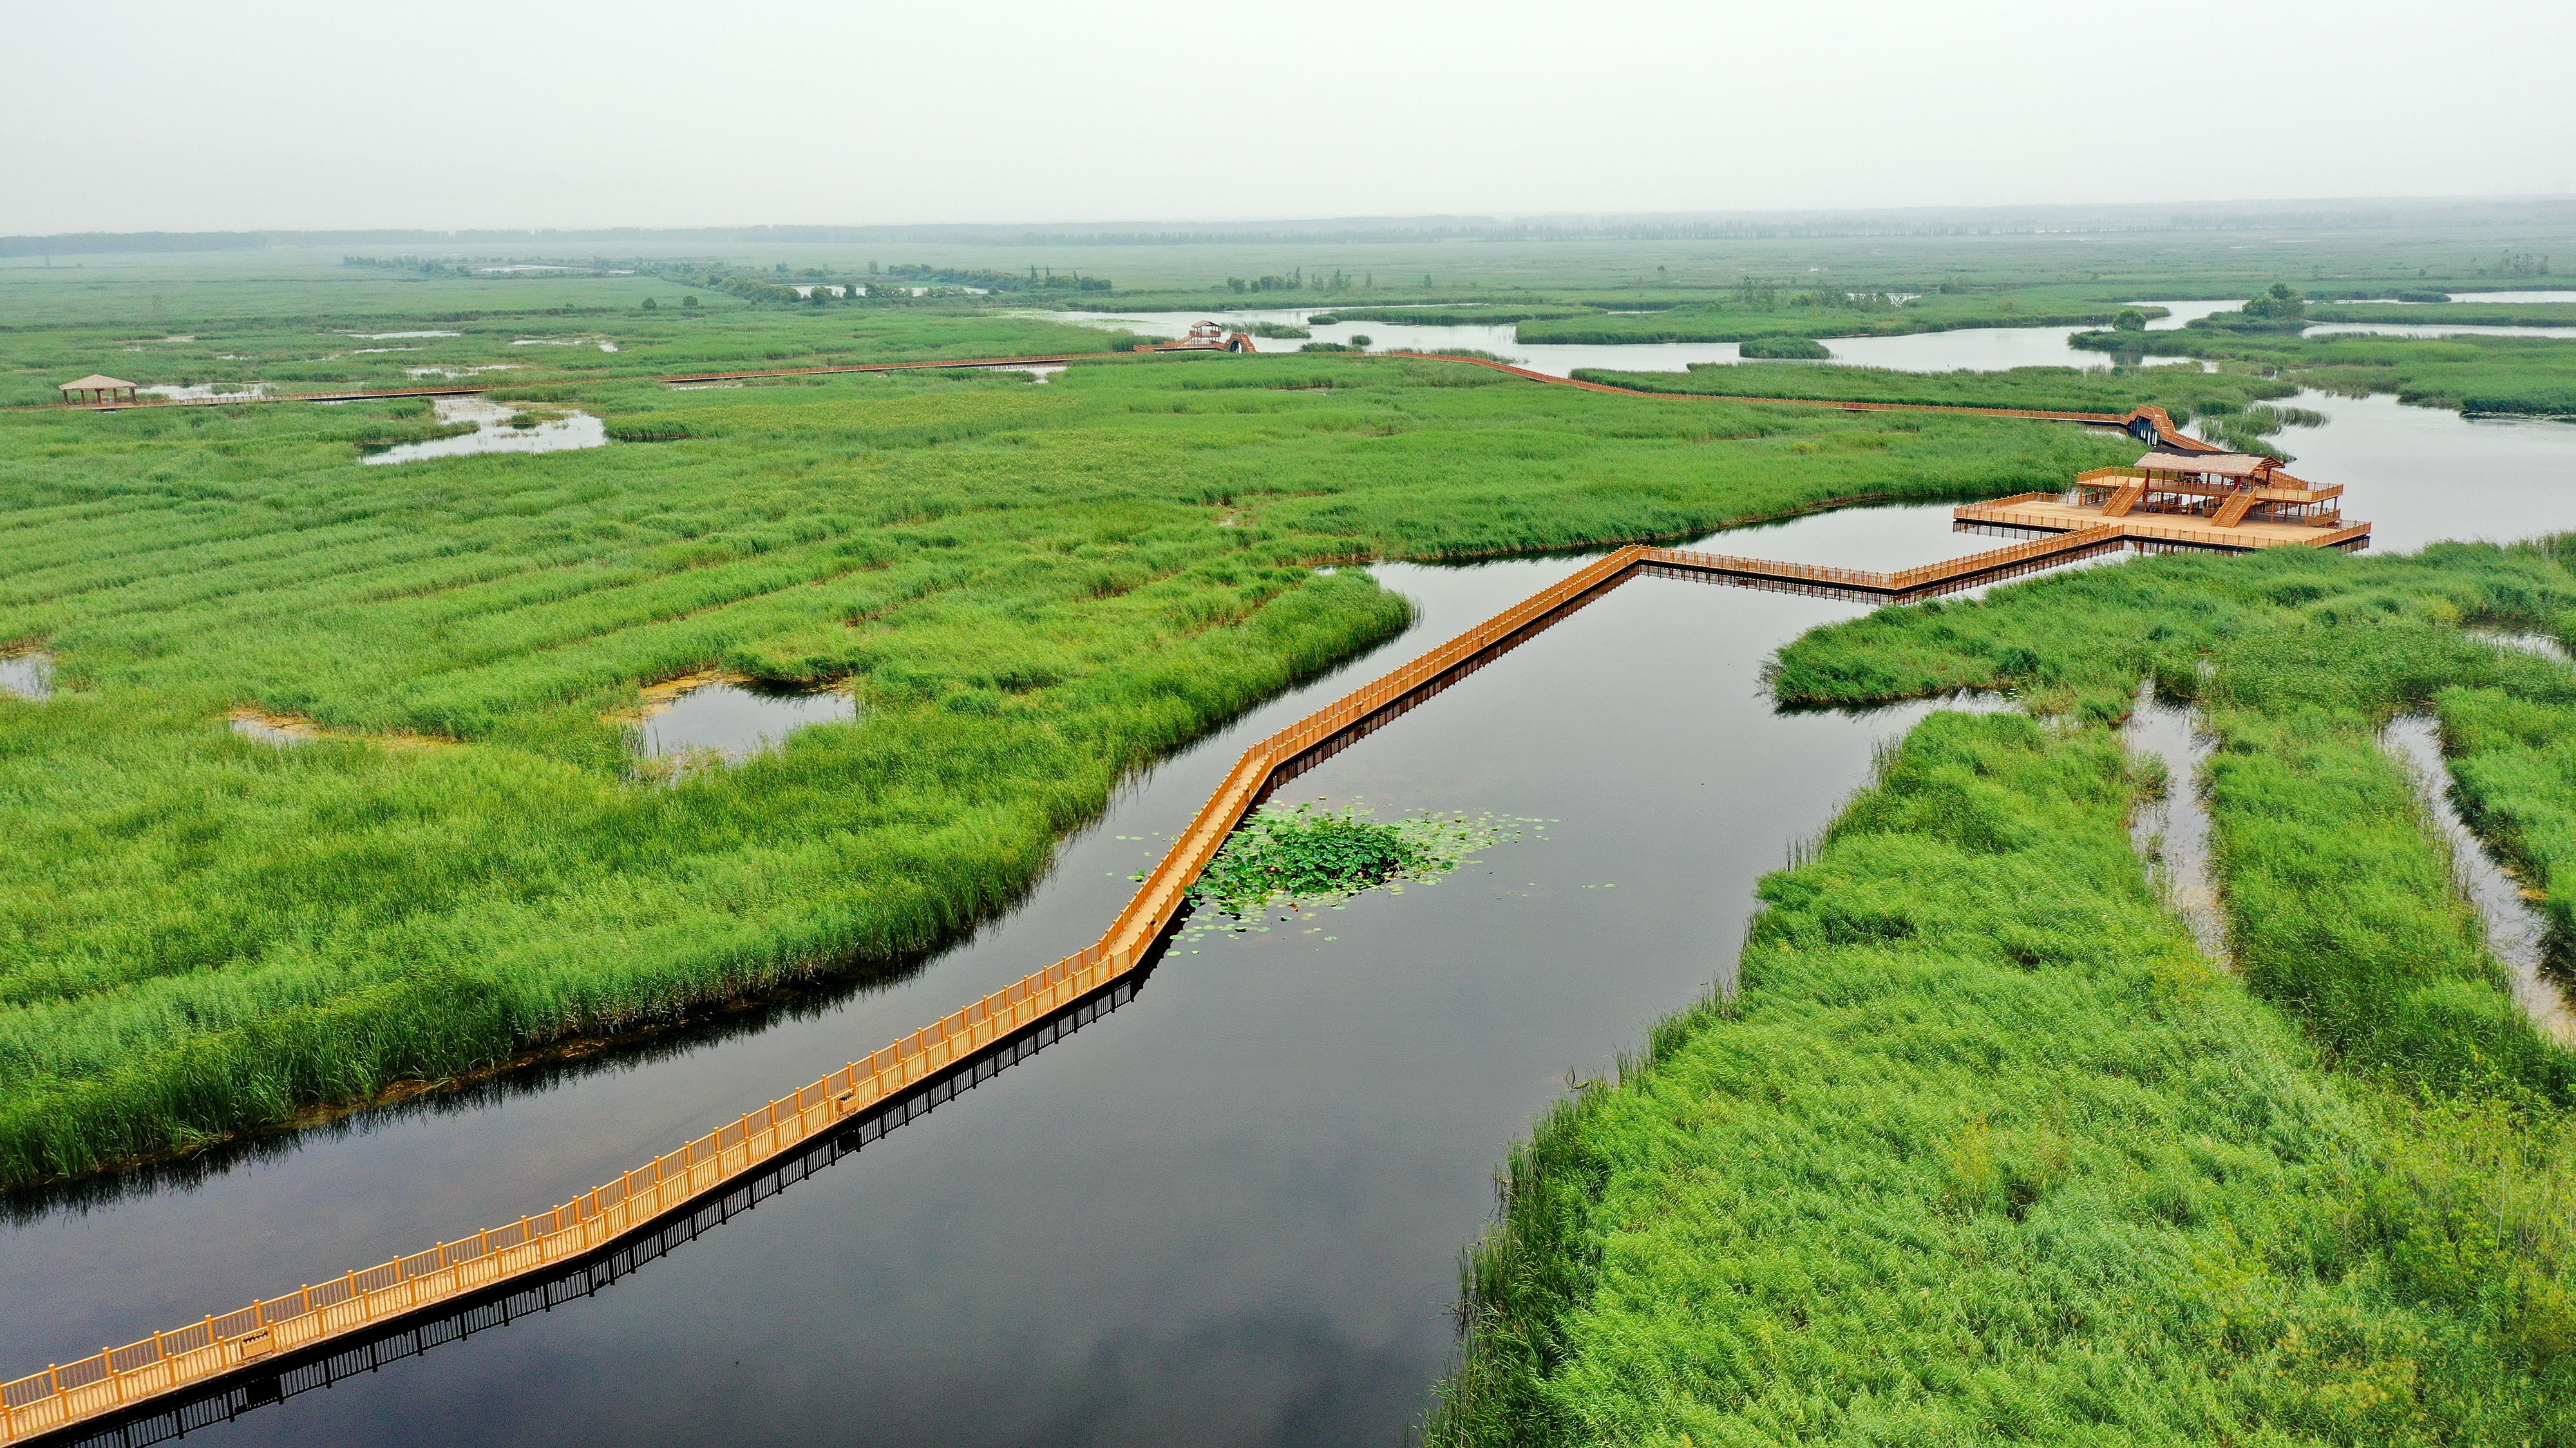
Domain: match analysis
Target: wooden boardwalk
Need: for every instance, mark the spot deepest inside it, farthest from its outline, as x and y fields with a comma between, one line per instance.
x=259, y=1336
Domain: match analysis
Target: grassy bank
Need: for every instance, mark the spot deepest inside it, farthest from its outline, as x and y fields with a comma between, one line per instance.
x=2455, y=314
x=1830, y=312
x=1031, y=589
x=1983, y=1151
x=386, y=346
x=2529, y=376
x=2182, y=389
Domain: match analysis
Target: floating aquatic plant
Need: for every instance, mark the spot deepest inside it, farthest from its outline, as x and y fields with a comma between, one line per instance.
x=1289, y=857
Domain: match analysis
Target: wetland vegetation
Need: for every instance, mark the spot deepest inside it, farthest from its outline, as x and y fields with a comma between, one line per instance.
x=1982, y=1148
x=1032, y=589
x=2182, y=389
x=2472, y=373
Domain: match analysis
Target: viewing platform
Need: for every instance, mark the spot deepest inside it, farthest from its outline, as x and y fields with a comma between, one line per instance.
x=2209, y=500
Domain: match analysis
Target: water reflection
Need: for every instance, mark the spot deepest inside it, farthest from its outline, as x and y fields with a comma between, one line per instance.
x=2172, y=832
x=1980, y=348
x=2562, y=332
x=370, y=1351
x=2517, y=934
x=2422, y=474
x=28, y=676
x=493, y=433
x=280, y=732
x=732, y=720
x=207, y=391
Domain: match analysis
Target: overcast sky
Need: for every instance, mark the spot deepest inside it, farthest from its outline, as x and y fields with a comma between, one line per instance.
x=246, y=114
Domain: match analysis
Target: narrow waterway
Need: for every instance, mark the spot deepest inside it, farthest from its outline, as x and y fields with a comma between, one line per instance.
x=2516, y=933
x=1228, y=1214
x=1980, y=348
x=2172, y=833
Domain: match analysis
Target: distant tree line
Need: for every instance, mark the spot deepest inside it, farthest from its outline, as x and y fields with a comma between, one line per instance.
x=1754, y=294
x=1298, y=281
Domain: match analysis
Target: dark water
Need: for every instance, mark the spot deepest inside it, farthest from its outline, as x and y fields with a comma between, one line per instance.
x=735, y=722
x=1226, y=1214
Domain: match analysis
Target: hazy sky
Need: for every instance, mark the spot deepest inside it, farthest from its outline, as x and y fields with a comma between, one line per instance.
x=242, y=114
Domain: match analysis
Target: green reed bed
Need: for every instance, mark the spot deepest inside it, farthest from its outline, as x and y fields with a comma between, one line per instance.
x=2182, y=389
x=2345, y=911
x=1816, y=309
x=1981, y=1150
x=514, y=348
x=2451, y=314
x=1031, y=589
x=2504, y=376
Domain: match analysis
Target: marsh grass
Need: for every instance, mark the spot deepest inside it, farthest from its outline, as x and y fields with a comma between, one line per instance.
x=1982, y=1150
x=2182, y=389
x=1032, y=589
x=2501, y=376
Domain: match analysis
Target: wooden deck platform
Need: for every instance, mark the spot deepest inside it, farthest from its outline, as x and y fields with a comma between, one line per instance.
x=2044, y=512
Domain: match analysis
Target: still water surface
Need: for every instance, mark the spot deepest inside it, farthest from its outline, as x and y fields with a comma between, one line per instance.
x=493, y=433
x=735, y=721
x=1983, y=348
x=1228, y=1214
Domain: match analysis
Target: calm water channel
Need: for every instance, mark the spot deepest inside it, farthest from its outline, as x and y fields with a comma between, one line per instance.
x=1228, y=1213
x=1984, y=348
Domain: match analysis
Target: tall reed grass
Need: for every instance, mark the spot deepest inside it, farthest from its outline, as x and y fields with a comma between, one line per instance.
x=1981, y=1150
x=1031, y=588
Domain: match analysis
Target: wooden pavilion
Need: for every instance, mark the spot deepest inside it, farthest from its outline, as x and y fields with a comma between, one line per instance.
x=96, y=388
x=2236, y=500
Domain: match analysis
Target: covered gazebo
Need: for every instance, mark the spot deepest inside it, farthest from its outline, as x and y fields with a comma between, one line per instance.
x=97, y=388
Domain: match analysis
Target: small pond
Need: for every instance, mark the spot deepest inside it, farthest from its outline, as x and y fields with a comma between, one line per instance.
x=2434, y=329
x=493, y=433
x=268, y=732
x=27, y=676
x=207, y=391
x=734, y=721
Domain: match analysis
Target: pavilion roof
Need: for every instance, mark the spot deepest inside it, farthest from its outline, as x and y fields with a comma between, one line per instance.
x=2225, y=465
x=92, y=383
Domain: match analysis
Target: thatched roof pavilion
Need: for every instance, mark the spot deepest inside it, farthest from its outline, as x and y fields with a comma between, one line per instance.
x=98, y=388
